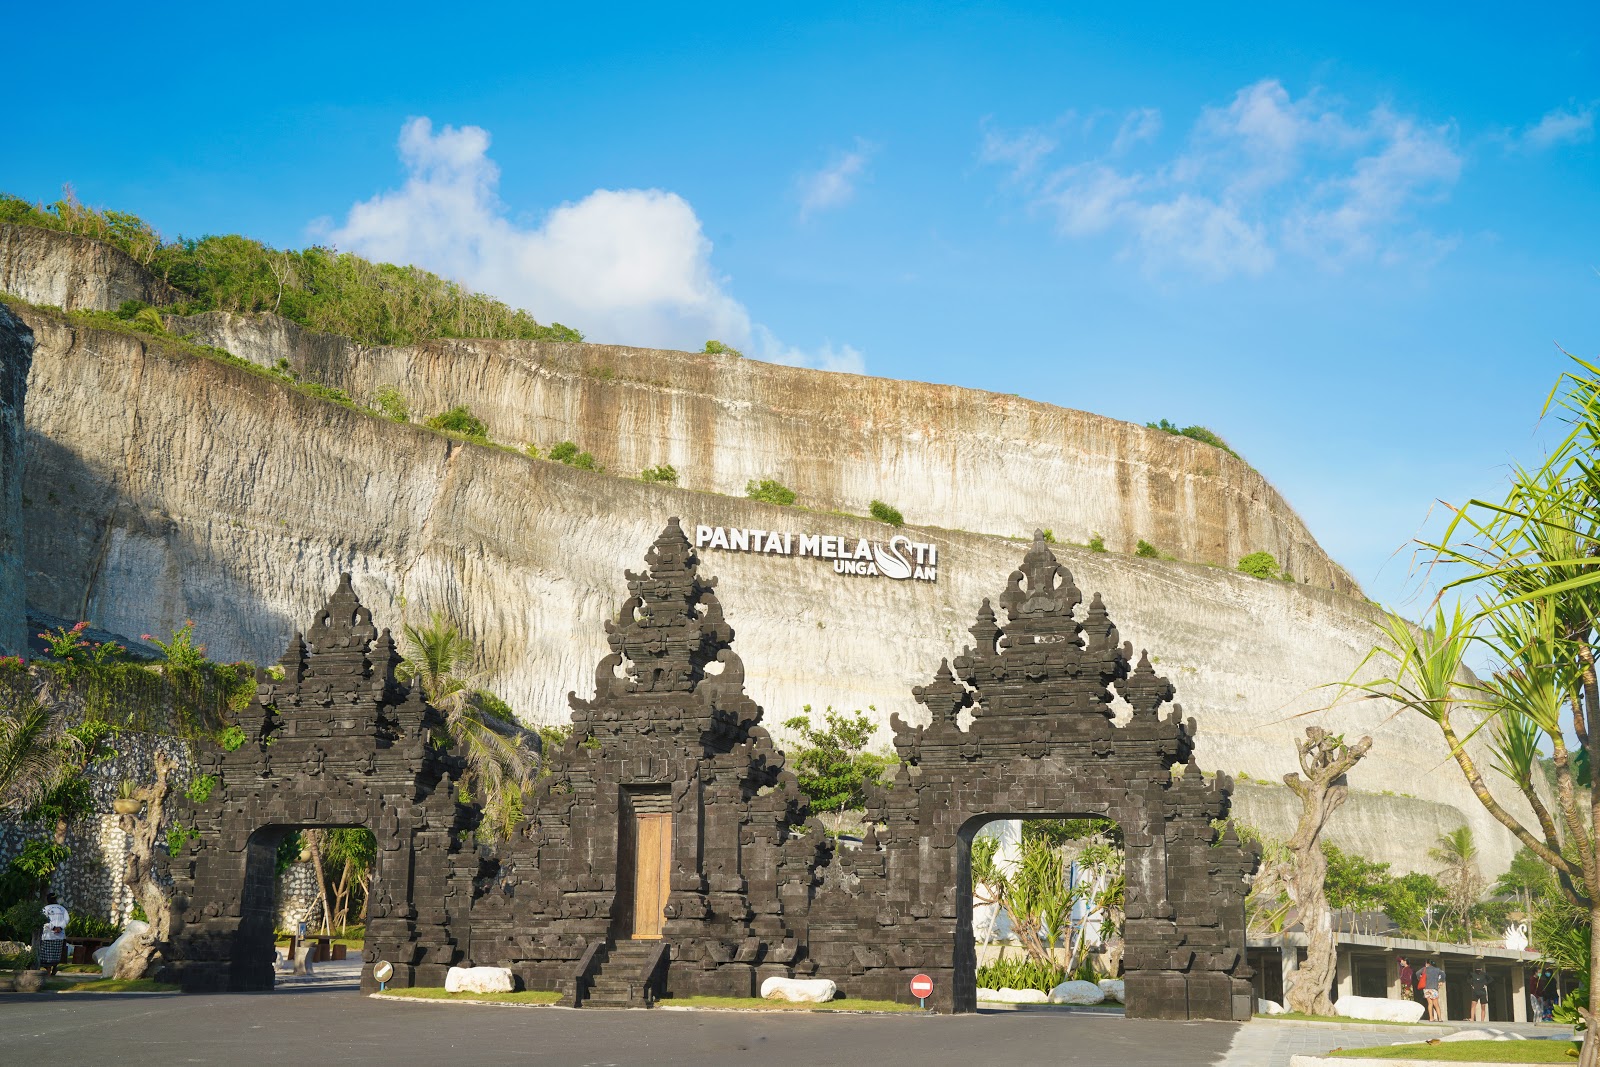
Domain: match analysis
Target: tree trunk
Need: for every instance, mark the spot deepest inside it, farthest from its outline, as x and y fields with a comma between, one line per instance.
x=1590, y=1056
x=313, y=839
x=139, y=954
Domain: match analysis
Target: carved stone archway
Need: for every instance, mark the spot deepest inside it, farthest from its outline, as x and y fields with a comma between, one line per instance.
x=337, y=742
x=1042, y=742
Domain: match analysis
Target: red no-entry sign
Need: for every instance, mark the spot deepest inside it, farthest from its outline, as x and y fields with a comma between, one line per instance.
x=922, y=987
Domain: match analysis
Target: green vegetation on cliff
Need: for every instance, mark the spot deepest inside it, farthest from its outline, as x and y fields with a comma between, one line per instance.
x=1194, y=433
x=319, y=288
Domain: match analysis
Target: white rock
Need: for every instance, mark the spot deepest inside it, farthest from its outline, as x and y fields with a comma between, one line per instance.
x=1014, y=996
x=107, y=957
x=799, y=990
x=1269, y=1007
x=1378, y=1009
x=1482, y=1034
x=479, y=980
x=1113, y=989
x=1075, y=992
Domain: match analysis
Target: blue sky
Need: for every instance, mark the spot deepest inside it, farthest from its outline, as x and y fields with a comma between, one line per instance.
x=1348, y=242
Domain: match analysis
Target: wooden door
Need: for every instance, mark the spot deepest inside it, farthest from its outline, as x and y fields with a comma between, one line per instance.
x=652, y=862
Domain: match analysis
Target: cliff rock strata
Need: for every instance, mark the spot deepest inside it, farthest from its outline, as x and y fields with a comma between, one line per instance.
x=70, y=272
x=165, y=486
x=946, y=456
x=16, y=356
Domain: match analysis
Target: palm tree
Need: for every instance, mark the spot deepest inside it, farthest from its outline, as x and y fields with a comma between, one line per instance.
x=500, y=755
x=37, y=753
x=1457, y=852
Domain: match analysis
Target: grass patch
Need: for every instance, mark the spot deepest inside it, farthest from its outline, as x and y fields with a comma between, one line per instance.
x=116, y=985
x=1532, y=1051
x=757, y=1004
x=1302, y=1017
x=527, y=996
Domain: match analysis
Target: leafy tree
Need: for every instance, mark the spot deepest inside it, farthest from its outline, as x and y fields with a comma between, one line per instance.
x=1529, y=561
x=887, y=513
x=832, y=762
x=459, y=420
x=1458, y=854
x=718, y=348
x=499, y=754
x=1354, y=883
x=664, y=473
x=769, y=491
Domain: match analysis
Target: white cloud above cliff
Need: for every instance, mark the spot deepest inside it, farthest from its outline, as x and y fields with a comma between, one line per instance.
x=1263, y=175
x=625, y=266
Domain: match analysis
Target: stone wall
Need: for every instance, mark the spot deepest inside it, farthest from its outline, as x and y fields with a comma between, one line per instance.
x=16, y=356
x=237, y=502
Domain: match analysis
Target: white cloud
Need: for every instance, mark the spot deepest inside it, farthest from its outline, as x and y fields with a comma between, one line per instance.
x=834, y=185
x=1262, y=175
x=1141, y=124
x=625, y=266
x=1561, y=126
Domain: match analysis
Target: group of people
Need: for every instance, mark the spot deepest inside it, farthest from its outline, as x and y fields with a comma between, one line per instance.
x=1426, y=983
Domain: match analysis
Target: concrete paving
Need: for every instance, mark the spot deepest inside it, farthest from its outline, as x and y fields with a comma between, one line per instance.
x=306, y=1024
x=1265, y=1043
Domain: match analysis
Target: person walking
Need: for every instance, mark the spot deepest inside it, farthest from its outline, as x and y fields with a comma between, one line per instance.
x=54, y=936
x=1431, y=981
x=1478, y=988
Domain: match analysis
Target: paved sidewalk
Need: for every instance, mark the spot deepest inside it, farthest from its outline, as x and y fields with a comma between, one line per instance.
x=1266, y=1043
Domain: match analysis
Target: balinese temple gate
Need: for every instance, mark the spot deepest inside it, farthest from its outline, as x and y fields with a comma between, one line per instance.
x=665, y=850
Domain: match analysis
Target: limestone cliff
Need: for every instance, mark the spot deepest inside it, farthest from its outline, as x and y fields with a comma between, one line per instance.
x=946, y=456
x=165, y=485
x=16, y=356
x=70, y=272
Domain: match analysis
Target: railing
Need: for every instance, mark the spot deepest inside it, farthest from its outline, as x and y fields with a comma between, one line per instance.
x=583, y=973
x=653, y=975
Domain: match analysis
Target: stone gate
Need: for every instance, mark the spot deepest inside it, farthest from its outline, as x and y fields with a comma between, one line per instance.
x=667, y=851
x=335, y=742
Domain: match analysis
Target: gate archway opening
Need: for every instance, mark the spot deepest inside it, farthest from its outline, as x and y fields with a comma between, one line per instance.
x=1043, y=900
x=330, y=919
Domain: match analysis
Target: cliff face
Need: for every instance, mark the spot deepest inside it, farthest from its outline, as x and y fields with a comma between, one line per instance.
x=166, y=486
x=70, y=272
x=16, y=356
x=949, y=457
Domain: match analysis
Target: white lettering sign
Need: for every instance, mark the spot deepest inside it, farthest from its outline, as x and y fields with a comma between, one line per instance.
x=900, y=558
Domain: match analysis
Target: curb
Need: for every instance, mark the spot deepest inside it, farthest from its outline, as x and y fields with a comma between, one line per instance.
x=1329, y=1061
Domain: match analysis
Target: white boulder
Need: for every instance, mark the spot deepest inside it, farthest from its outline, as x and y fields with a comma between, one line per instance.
x=1378, y=1009
x=1075, y=992
x=1113, y=989
x=1482, y=1034
x=1269, y=1007
x=799, y=990
x=1014, y=996
x=480, y=980
x=108, y=956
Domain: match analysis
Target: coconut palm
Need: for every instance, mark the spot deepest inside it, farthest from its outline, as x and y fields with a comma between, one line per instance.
x=500, y=755
x=1457, y=853
x=37, y=752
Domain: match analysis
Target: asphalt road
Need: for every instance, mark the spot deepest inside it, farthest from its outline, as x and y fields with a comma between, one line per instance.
x=307, y=1027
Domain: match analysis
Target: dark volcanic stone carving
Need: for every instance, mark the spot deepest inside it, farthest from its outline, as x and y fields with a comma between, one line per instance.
x=666, y=850
x=1042, y=743
x=338, y=742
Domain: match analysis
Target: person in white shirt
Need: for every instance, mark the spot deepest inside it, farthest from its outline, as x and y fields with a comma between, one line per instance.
x=54, y=937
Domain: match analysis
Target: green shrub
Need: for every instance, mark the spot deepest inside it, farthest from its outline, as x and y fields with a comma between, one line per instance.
x=1049, y=536
x=1194, y=433
x=232, y=739
x=717, y=348
x=769, y=491
x=567, y=452
x=1262, y=565
x=887, y=513
x=319, y=288
x=664, y=472
x=1146, y=550
x=459, y=420
x=200, y=789
x=1020, y=973
x=392, y=404
x=328, y=392
x=1097, y=543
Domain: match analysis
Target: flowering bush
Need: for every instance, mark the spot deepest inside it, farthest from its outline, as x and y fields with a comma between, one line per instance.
x=71, y=647
x=181, y=654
